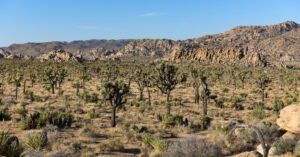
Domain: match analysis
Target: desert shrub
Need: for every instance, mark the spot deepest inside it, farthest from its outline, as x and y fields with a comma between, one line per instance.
x=283, y=146
x=259, y=112
x=93, y=114
x=9, y=145
x=178, y=101
x=114, y=145
x=135, y=103
x=297, y=150
x=236, y=103
x=193, y=147
x=278, y=105
x=93, y=98
x=225, y=90
x=4, y=114
x=37, y=141
x=243, y=95
x=160, y=145
x=142, y=109
x=168, y=121
x=40, y=119
x=146, y=140
x=219, y=102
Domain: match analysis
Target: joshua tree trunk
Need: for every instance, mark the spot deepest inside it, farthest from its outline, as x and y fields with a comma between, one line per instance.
x=149, y=96
x=113, y=116
x=204, y=106
x=24, y=87
x=16, y=92
x=263, y=96
x=168, y=103
x=141, y=97
x=77, y=89
x=53, y=88
x=197, y=96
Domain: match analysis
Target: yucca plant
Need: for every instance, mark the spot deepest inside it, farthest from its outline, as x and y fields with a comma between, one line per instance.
x=9, y=145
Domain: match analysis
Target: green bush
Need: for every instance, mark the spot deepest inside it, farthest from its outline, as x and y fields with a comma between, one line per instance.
x=37, y=142
x=94, y=115
x=160, y=145
x=40, y=119
x=168, y=121
x=9, y=145
x=219, y=102
x=279, y=104
x=259, y=112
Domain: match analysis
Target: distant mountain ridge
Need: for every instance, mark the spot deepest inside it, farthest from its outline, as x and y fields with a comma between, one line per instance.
x=250, y=45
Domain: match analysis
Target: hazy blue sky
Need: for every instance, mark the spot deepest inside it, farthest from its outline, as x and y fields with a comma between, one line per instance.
x=65, y=20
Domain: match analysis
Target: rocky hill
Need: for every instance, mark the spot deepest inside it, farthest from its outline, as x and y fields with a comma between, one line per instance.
x=249, y=45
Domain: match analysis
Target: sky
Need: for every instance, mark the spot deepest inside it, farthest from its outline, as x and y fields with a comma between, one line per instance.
x=23, y=21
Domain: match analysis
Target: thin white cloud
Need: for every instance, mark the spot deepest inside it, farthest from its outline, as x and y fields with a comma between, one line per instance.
x=87, y=27
x=153, y=14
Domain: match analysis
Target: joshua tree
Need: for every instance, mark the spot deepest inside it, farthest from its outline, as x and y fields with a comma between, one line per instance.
x=16, y=79
x=167, y=77
x=139, y=79
x=242, y=75
x=144, y=78
x=196, y=85
x=32, y=77
x=50, y=77
x=262, y=83
x=61, y=75
x=205, y=93
x=84, y=76
x=115, y=93
x=148, y=82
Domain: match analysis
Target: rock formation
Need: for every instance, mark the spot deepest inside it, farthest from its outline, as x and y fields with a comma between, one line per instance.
x=59, y=56
x=290, y=119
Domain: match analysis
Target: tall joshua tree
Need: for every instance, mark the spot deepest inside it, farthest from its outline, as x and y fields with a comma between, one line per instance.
x=196, y=84
x=262, y=83
x=16, y=79
x=205, y=93
x=50, y=77
x=167, y=77
x=144, y=79
x=115, y=93
x=242, y=75
x=139, y=79
x=61, y=75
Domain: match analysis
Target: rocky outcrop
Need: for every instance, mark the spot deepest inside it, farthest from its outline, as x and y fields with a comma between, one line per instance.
x=289, y=119
x=59, y=56
x=147, y=47
x=7, y=55
x=247, y=45
x=220, y=55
